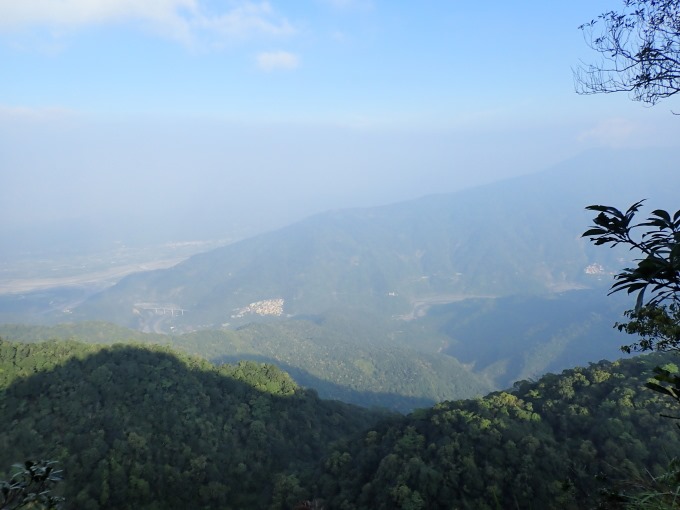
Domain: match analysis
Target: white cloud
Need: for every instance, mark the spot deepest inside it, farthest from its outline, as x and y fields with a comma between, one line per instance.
x=246, y=19
x=8, y=112
x=184, y=20
x=339, y=36
x=612, y=132
x=274, y=60
x=349, y=4
x=52, y=13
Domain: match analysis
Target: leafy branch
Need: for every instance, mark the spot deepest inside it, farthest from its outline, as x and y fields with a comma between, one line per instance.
x=30, y=486
x=659, y=270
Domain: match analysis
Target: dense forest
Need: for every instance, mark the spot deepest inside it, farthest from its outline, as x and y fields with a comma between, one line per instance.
x=368, y=360
x=138, y=426
x=356, y=358
x=555, y=443
x=141, y=427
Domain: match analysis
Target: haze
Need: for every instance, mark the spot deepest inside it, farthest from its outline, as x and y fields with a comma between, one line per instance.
x=195, y=119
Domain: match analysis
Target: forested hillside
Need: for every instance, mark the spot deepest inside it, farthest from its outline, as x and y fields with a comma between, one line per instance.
x=520, y=236
x=339, y=255
x=444, y=297
x=147, y=428
x=356, y=359
x=457, y=350
x=522, y=337
x=555, y=443
x=144, y=427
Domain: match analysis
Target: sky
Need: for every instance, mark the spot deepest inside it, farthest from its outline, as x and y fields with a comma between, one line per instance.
x=257, y=113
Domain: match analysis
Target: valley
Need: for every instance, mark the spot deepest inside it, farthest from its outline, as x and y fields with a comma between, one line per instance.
x=346, y=358
x=393, y=306
x=44, y=271
x=339, y=255
x=422, y=305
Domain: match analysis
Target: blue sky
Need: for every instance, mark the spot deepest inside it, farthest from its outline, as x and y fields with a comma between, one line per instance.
x=337, y=61
x=287, y=108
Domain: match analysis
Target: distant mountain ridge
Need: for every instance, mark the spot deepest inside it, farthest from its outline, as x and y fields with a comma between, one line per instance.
x=520, y=236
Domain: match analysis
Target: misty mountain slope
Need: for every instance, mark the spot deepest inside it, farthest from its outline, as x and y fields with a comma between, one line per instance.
x=512, y=237
x=521, y=337
x=362, y=369
x=355, y=358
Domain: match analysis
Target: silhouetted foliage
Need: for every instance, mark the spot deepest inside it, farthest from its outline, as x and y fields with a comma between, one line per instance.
x=655, y=318
x=655, y=277
x=640, y=50
x=30, y=486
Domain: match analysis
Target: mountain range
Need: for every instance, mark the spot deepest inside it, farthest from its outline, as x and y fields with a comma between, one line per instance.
x=520, y=236
x=462, y=292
